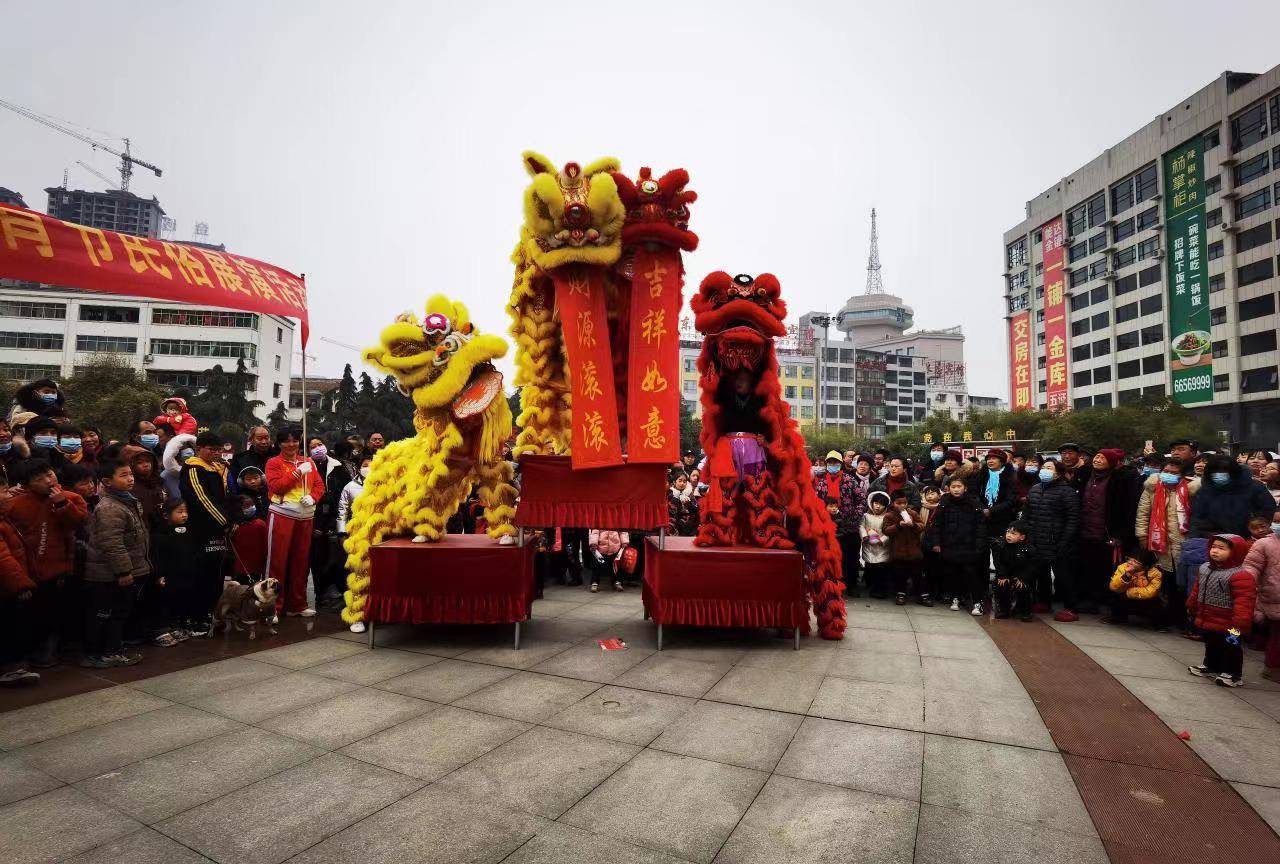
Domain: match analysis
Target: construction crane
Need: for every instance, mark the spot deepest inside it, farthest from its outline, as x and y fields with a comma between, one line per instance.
x=126, y=158
x=94, y=171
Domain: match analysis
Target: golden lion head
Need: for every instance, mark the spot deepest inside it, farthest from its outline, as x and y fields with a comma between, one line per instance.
x=441, y=359
x=572, y=215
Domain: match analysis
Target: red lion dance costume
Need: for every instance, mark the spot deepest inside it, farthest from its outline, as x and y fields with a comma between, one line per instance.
x=758, y=472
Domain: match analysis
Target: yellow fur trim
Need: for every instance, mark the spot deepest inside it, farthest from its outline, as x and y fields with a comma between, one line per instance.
x=600, y=166
x=536, y=163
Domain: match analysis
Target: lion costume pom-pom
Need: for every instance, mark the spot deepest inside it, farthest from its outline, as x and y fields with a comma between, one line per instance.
x=462, y=420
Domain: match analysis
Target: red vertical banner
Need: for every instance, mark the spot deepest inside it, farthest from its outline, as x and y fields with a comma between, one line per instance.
x=1020, y=361
x=653, y=388
x=1055, y=315
x=583, y=317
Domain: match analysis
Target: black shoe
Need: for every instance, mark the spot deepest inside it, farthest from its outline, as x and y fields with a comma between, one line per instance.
x=925, y=600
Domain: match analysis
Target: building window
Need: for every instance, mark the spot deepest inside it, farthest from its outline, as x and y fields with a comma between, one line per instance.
x=1102, y=348
x=1079, y=353
x=790, y=392
x=1248, y=128
x=1150, y=276
x=23, y=309
x=1081, y=379
x=806, y=412
x=107, y=344
x=1253, y=238
x=1040, y=363
x=1122, y=230
x=1220, y=349
x=1078, y=301
x=690, y=364
x=1150, y=305
x=1078, y=277
x=1152, y=335
x=1217, y=283
x=1213, y=217
x=1145, y=183
x=1125, y=284
x=1149, y=219
x=31, y=341
x=1102, y=375
x=1098, y=268
x=1128, y=312
x=1255, y=272
x=1218, y=316
x=1098, y=242
x=1253, y=169
x=1213, y=185
x=1097, y=210
x=1082, y=402
x=1124, y=258
x=1040, y=339
x=1098, y=295
x=1125, y=341
x=24, y=372
x=280, y=335
x=1258, y=380
x=1256, y=343
x=1129, y=397
x=1018, y=252
x=1102, y=319
x=1255, y=203
x=1257, y=307
x=275, y=391
x=1077, y=220
x=1102, y=400
x=204, y=318
x=1221, y=383
x=113, y=314
x=1127, y=369
x=1154, y=363
x=1079, y=328
x=1148, y=248
x=197, y=348
x=806, y=373
x=277, y=362
x=1078, y=251
x=1215, y=251
x=1212, y=138
x=1121, y=196
x=1039, y=316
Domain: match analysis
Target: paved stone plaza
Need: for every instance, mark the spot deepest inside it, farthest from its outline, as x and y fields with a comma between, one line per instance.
x=912, y=740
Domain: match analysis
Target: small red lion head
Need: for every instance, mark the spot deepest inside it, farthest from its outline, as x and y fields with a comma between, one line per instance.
x=740, y=315
x=657, y=210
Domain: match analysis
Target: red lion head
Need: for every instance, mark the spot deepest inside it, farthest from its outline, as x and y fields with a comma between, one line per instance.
x=740, y=317
x=657, y=210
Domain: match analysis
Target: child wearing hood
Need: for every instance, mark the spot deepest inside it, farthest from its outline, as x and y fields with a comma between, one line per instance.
x=1221, y=603
x=179, y=449
x=252, y=482
x=875, y=548
x=39, y=397
x=346, y=500
x=1263, y=561
x=174, y=412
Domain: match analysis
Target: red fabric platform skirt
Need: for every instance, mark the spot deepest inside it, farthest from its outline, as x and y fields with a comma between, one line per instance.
x=620, y=497
x=730, y=586
x=463, y=579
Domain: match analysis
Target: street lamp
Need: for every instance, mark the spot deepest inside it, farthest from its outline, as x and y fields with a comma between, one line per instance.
x=824, y=321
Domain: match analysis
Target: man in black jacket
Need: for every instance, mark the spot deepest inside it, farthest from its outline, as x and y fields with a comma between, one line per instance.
x=204, y=489
x=260, y=449
x=1108, y=514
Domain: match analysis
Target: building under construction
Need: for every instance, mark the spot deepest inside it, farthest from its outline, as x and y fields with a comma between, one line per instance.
x=112, y=210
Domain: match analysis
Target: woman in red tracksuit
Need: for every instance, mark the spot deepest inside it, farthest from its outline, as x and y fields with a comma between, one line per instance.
x=293, y=487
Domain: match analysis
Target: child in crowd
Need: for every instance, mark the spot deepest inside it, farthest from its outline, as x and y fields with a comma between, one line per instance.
x=174, y=412
x=956, y=535
x=1263, y=562
x=176, y=453
x=171, y=556
x=16, y=590
x=249, y=541
x=252, y=482
x=605, y=548
x=1136, y=587
x=1259, y=527
x=118, y=561
x=1015, y=573
x=930, y=498
x=148, y=488
x=903, y=526
x=346, y=500
x=1221, y=603
x=876, y=556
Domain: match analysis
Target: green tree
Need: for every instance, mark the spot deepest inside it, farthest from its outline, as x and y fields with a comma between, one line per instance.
x=397, y=408
x=223, y=404
x=278, y=418
x=690, y=429
x=109, y=392
x=344, y=403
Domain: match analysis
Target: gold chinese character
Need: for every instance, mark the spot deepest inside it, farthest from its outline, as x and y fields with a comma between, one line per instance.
x=293, y=291
x=586, y=330
x=189, y=267
x=653, y=437
x=1020, y=328
x=1053, y=295
x=1022, y=374
x=593, y=431
x=946, y=437
x=103, y=250
x=590, y=380
x=228, y=278
x=988, y=435
x=928, y=437
x=16, y=225
x=1057, y=373
x=1009, y=434
x=1020, y=352
x=967, y=436
x=256, y=279
x=654, y=276
x=1022, y=398
x=579, y=285
x=652, y=326
x=1057, y=348
x=143, y=257
x=1179, y=181
x=653, y=381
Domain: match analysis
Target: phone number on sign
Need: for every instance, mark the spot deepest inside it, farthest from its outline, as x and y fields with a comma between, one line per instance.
x=1198, y=382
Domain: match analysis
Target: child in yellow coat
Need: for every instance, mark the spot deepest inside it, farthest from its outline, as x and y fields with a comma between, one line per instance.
x=1135, y=589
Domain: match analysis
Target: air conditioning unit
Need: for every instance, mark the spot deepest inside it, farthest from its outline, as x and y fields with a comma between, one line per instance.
x=1229, y=227
x=1110, y=275
x=1159, y=253
x=1229, y=194
x=148, y=359
x=1067, y=241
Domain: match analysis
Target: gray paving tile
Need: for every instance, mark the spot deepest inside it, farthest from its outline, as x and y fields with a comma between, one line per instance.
x=1197, y=699
x=347, y=717
x=958, y=623
x=961, y=647
x=673, y=675
x=557, y=843
x=766, y=688
x=172, y=782
x=547, y=608
x=104, y=748
x=306, y=804
x=636, y=632
x=733, y=734
x=1000, y=719
x=372, y=667
x=898, y=705
x=1030, y=786
x=703, y=652
x=431, y=746
x=1102, y=637
x=601, y=613
x=589, y=663
x=1265, y=800
x=880, y=641
x=529, y=655
x=993, y=678
x=871, y=758
x=543, y=771
x=633, y=716
x=880, y=621
x=528, y=696
x=201, y=681
x=440, y=641
x=954, y=837
x=557, y=629
x=814, y=656
x=868, y=666
x=1145, y=663
x=798, y=821
x=433, y=826
x=19, y=780
x=311, y=652
x=445, y=681
x=258, y=701
x=1266, y=701
x=1240, y=753
x=141, y=847
x=677, y=804
x=57, y=825
x=62, y=716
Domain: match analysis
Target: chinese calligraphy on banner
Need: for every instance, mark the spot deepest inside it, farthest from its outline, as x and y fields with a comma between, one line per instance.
x=1055, y=315
x=595, y=438
x=1020, y=361
x=39, y=248
x=653, y=386
x=1190, y=345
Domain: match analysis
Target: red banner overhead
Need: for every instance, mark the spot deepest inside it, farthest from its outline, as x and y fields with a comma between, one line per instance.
x=39, y=248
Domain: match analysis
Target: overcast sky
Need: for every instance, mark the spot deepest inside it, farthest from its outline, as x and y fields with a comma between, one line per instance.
x=376, y=147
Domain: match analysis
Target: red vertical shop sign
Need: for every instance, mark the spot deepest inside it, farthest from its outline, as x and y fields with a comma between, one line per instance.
x=1055, y=315
x=1020, y=361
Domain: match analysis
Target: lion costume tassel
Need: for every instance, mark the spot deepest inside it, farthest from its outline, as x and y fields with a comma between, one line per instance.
x=761, y=491
x=462, y=420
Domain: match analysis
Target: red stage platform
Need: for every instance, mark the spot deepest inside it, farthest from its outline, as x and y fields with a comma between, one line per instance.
x=731, y=586
x=463, y=579
x=624, y=497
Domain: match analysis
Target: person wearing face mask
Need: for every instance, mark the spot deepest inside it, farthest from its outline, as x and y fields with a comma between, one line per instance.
x=42, y=397
x=1027, y=476
x=176, y=454
x=143, y=434
x=324, y=556
x=42, y=438
x=846, y=503
x=249, y=542
x=1052, y=517
x=1163, y=525
x=13, y=449
x=1228, y=497
x=70, y=443
x=1108, y=514
x=294, y=485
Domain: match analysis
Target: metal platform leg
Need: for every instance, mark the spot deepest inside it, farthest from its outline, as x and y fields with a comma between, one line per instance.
x=371, y=643
x=662, y=538
x=797, y=638
x=517, y=645
x=659, y=637
x=520, y=537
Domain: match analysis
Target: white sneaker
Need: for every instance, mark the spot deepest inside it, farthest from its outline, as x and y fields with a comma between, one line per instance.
x=506, y=540
x=955, y=605
x=307, y=613
x=977, y=610
x=357, y=627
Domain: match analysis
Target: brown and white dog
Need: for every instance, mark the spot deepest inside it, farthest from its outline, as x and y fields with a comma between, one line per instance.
x=246, y=605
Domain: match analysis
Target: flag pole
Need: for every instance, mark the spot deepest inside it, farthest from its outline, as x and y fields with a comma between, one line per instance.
x=304, y=383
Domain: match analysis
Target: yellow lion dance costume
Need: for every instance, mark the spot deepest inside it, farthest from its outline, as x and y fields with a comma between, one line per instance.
x=462, y=420
x=571, y=216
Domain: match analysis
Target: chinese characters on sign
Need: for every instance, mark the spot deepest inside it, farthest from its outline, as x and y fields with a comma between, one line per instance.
x=1055, y=317
x=595, y=437
x=653, y=405
x=1020, y=361
x=1190, y=343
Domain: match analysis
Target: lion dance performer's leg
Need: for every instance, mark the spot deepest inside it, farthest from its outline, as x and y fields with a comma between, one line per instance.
x=540, y=369
x=718, y=523
x=498, y=496
x=765, y=512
